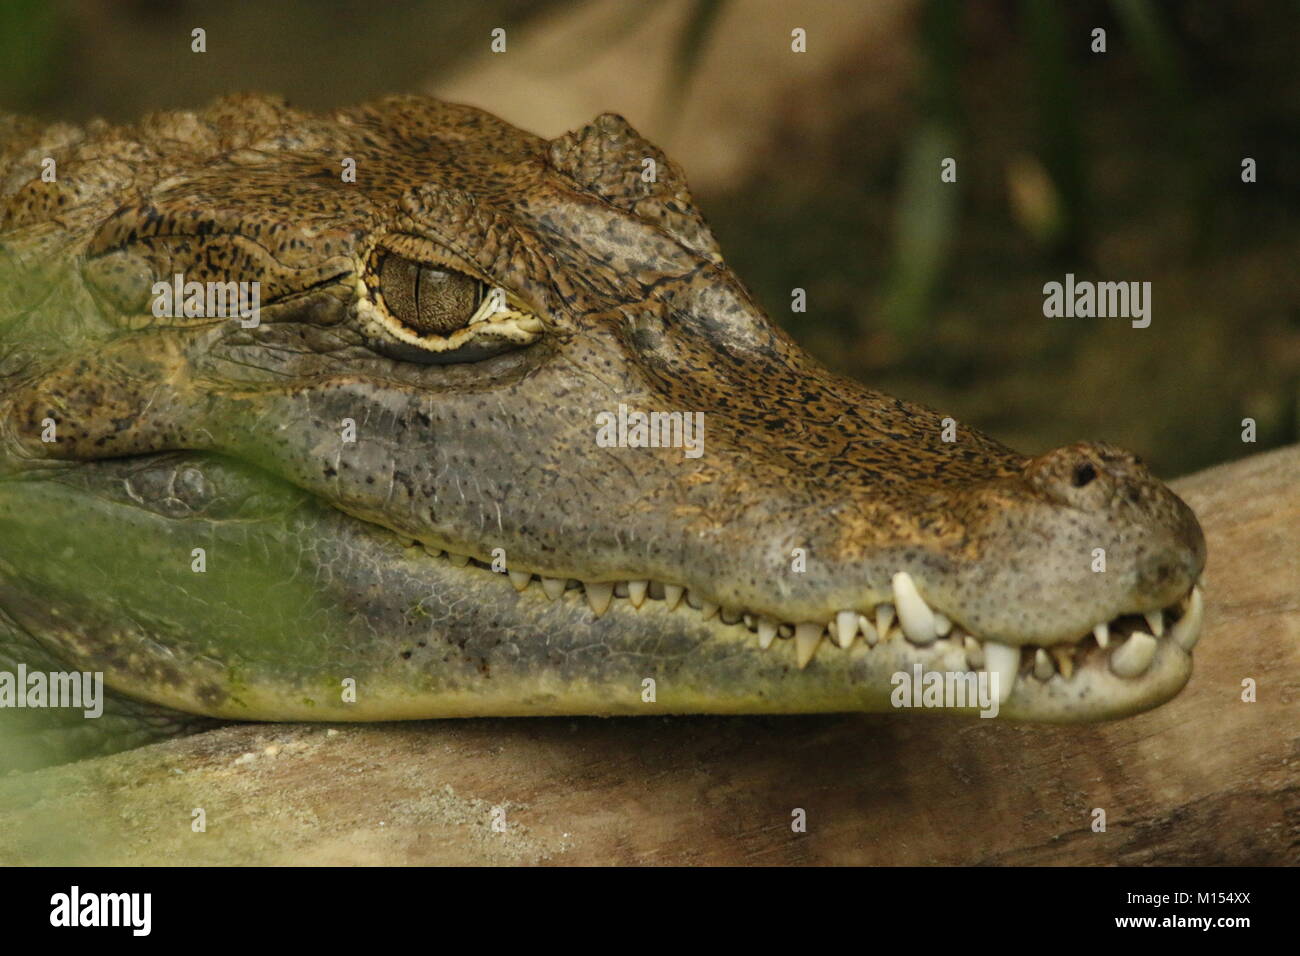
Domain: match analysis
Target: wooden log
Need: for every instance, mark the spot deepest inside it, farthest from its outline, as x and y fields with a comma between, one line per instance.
x=1205, y=779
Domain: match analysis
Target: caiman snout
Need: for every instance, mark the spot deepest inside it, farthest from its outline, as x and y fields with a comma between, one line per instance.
x=1103, y=480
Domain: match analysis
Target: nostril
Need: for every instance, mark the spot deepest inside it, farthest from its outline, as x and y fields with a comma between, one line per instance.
x=1084, y=474
x=1157, y=570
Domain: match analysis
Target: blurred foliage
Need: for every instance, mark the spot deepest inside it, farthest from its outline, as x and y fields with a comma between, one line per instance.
x=923, y=231
x=1059, y=145
x=926, y=216
x=31, y=32
x=689, y=46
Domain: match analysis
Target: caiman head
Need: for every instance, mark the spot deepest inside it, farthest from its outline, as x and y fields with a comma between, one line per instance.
x=507, y=436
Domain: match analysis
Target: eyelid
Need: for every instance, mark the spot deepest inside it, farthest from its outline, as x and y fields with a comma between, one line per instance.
x=426, y=253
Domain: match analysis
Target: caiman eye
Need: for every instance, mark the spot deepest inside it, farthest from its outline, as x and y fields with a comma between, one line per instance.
x=430, y=312
x=426, y=299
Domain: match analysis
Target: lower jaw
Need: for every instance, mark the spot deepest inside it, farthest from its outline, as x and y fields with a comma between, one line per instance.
x=493, y=652
x=719, y=677
x=728, y=665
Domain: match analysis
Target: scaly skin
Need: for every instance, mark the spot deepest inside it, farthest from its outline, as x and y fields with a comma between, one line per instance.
x=182, y=433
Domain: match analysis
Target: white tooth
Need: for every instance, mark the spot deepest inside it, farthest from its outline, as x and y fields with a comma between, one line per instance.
x=1102, y=633
x=884, y=618
x=807, y=636
x=673, y=595
x=941, y=624
x=974, y=653
x=1064, y=660
x=458, y=560
x=846, y=628
x=1003, y=660
x=914, y=615
x=433, y=552
x=766, y=632
x=520, y=579
x=1133, y=657
x=636, y=592
x=749, y=621
x=869, y=633
x=553, y=587
x=708, y=609
x=599, y=594
x=1156, y=621
x=1188, y=629
x=1043, y=668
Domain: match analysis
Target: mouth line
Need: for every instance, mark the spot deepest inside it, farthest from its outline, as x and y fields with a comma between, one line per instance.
x=1126, y=645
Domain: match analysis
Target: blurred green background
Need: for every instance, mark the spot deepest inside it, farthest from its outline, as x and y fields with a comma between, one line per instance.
x=1122, y=166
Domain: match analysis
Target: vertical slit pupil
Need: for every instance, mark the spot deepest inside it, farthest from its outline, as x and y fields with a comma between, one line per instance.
x=428, y=300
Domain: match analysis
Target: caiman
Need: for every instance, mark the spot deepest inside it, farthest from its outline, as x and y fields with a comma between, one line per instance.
x=386, y=496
